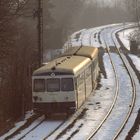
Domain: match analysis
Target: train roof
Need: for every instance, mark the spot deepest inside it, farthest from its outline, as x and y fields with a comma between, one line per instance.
x=63, y=65
x=86, y=51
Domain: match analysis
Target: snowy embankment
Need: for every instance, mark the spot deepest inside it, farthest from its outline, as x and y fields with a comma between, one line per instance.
x=124, y=37
x=87, y=37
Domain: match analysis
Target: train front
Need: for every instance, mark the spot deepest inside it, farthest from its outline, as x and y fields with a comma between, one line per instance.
x=53, y=91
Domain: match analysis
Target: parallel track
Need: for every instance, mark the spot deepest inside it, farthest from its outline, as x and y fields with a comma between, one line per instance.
x=32, y=129
x=54, y=130
x=133, y=90
x=35, y=127
x=120, y=129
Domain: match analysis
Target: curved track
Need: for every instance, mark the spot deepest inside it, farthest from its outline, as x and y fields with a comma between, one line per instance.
x=133, y=89
x=131, y=104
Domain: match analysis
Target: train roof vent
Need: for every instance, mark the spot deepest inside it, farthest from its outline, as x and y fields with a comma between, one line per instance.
x=58, y=63
x=63, y=60
x=68, y=57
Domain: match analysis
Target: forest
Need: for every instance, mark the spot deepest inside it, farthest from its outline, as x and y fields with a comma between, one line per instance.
x=19, y=40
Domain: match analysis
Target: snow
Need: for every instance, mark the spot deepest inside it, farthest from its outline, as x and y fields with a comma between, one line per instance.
x=124, y=37
x=44, y=128
x=42, y=131
x=28, y=115
x=137, y=136
x=136, y=61
x=22, y=133
x=118, y=114
x=86, y=37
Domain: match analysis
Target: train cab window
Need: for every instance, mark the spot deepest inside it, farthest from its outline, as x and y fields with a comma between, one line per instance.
x=39, y=85
x=67, y=84
x=53, y=84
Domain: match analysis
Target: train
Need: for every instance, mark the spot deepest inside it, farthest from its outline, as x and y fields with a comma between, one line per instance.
x=63, y=84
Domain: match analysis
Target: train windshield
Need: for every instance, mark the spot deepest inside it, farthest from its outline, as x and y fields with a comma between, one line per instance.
x=67, y=84
x=39, y=85
x=53, y=85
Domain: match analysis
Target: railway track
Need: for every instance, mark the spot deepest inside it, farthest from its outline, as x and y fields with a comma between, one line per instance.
x=31, y=131
x=57, y=126
x=133, y=88
x=66, y=126
x=131, y=104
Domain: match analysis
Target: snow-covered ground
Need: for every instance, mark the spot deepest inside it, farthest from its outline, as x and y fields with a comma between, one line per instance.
x=42, y=131
x=136, y=61
x=28, y=115
x=125, y=37
x=86, y=37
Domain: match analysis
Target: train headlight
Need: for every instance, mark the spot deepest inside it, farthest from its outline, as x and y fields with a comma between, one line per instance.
x=35, y=98
x=67, y=98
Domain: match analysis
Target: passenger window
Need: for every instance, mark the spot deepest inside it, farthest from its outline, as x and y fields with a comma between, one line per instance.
x=39, y=85
x=88, y=72
x=67, y=84
x=53, y=84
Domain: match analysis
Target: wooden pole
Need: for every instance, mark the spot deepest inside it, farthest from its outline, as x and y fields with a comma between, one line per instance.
x=40, y=32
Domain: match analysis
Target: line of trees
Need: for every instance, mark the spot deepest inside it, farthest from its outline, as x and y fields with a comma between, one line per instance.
x=18, y=57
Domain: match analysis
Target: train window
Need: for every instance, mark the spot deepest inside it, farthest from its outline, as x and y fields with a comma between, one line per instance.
x=53, y=84
x=67, y=84
x=88, y=72
x=81, y=78
x=94, y=63
x=39, y=85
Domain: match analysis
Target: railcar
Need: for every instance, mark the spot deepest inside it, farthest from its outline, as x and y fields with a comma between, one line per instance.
x=63, y=84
